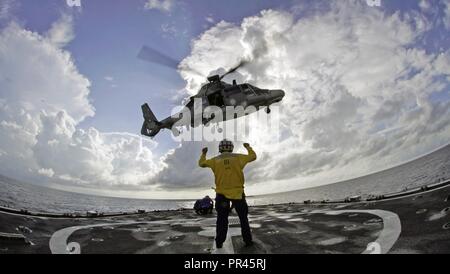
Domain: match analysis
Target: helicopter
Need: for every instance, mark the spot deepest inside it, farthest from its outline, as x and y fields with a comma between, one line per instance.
x=216, y=93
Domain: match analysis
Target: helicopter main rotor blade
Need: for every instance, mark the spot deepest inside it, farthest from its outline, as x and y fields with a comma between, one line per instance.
x=151, y=55
x=242, y=63
x=154, y=56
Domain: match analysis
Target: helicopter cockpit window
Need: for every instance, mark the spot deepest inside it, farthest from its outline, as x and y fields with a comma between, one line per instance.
x=247, y=89
x=253, y=87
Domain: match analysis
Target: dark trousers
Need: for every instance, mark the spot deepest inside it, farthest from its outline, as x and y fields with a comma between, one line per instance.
x=223, y=210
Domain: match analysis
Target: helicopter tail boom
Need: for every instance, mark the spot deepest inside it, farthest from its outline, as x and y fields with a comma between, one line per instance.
x=151, y=125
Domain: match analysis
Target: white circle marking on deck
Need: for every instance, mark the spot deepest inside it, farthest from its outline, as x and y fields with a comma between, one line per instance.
x=387, y=238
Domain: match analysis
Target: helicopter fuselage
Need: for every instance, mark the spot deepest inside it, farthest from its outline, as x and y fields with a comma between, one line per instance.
x=213, y=97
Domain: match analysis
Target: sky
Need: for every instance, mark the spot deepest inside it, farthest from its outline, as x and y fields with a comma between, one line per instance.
x=367, y=87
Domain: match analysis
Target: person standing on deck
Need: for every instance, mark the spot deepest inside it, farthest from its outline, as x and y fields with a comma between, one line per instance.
x=229, y=179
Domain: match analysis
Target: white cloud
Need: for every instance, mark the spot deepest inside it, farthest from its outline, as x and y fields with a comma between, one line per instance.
x=90, y=157
x=39, y=117
x=25, y=55
x=46, y=172
x=373, y=3
x=446, y=18
x=5, y=8
x=73, y=3
x=425, y=5
x=222, y=34
x=359, y=92
x=359, y=98
x=61, y=32
x=161, y=5
x=169, y=29
x=111, y=80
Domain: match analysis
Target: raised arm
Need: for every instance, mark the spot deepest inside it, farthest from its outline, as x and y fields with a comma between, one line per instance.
x=203, y=162
x=250, y=157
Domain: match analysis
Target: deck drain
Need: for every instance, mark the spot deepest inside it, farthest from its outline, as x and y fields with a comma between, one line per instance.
x=163, y=243
x=373, y=222
x=446, y=209
x=301, y=231
x=446, y=226
x=301, y=220
x=175, y=237
x=24, y=229
x=421, y=211
x=234, y=221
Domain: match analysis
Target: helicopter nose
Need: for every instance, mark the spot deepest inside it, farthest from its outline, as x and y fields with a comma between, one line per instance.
x=277, y=95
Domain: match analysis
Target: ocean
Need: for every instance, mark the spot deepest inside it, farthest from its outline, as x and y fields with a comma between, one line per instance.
x=423, y=171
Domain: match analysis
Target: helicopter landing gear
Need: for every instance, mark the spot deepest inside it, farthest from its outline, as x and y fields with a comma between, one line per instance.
x=268, y=110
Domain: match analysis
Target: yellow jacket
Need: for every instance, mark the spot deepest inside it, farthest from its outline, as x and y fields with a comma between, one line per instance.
x=228, y=172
